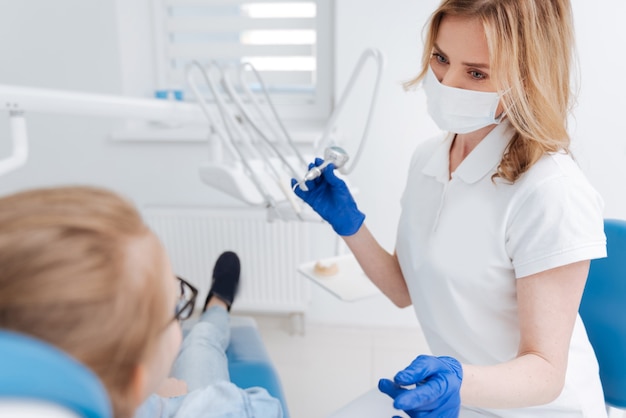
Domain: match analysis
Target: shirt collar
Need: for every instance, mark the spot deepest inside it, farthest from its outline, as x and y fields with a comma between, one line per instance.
x=482, y=160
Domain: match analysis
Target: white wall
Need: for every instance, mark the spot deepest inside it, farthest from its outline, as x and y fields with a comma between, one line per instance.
x=72, y=44
x=597, y=125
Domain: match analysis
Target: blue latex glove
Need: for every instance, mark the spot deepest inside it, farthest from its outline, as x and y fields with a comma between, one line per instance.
x=436, y=394
x=329, y=196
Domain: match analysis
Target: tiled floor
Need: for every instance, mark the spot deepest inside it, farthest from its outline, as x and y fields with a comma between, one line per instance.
x=329, y=366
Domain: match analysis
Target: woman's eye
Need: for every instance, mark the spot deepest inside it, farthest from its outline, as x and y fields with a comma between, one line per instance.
x=440, y=58
x=477, y=75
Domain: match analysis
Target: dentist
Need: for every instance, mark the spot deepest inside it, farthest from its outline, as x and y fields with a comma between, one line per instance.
x=498, y=223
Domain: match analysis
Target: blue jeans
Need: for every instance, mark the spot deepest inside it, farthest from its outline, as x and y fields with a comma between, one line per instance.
x=203, y=364
x=202, y=358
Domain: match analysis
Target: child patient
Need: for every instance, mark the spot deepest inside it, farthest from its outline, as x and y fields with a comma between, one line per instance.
x=80, y=270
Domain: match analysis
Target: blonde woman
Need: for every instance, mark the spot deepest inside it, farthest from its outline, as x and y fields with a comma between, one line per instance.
x=80, y=270
x=498, y=223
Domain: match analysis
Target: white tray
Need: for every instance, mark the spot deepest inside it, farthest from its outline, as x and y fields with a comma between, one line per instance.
x=348, y=284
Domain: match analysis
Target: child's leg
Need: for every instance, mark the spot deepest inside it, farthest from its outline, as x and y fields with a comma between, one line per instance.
x=202, y=358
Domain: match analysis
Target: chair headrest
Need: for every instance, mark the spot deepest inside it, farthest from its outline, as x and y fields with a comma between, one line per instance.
x=33, y=369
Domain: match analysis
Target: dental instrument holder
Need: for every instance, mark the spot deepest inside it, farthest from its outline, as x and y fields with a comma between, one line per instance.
x=335, y=155
x=241, y=125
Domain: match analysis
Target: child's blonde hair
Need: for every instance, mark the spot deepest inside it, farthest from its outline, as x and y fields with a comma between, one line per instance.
x=66, y=278
x=531, y=45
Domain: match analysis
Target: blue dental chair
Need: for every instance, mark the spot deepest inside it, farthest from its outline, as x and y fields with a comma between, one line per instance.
x=248, y=361
x=37, y=380
x=603, y=311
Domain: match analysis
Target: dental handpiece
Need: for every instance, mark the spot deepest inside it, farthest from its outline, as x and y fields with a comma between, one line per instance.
x=335, y=155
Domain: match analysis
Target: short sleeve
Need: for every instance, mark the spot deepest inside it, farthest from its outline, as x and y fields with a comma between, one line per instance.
x=558, y=222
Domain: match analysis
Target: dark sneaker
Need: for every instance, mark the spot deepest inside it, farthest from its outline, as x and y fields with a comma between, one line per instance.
x=225, y=279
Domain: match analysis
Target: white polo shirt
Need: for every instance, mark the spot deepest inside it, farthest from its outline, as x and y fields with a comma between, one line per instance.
x=463, y=242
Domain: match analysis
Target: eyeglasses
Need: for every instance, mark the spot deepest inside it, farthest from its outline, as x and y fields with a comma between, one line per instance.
x=186, y=300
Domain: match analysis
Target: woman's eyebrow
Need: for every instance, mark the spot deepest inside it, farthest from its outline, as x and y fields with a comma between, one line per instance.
x=467, y=64
x=476, y=65
x=438, y=50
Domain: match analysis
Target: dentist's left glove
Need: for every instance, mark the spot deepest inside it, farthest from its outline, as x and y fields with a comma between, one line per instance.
x=329, y=196
x=437, y=390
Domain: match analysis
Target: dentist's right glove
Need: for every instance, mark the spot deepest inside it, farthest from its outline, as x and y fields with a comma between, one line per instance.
x=329, y=196
x=436, y=393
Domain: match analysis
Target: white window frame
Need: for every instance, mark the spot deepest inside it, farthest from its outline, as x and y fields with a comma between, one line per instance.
x=142, y=55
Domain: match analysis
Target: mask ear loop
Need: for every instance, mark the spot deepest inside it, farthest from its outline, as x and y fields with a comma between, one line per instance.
x=502, y=115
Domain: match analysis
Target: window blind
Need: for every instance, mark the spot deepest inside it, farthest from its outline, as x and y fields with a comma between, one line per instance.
x=288, y=42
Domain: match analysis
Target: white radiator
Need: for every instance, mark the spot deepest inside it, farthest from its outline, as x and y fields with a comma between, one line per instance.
x=269, y=253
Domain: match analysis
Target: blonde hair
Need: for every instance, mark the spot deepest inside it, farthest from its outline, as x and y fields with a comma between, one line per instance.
x=531, y=45
x=65, y=278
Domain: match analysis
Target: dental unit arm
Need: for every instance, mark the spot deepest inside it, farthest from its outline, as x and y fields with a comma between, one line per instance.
x=19, y=138
x=20, y=101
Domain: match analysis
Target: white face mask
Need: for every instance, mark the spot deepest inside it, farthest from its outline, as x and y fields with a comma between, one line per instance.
x=458, y=110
